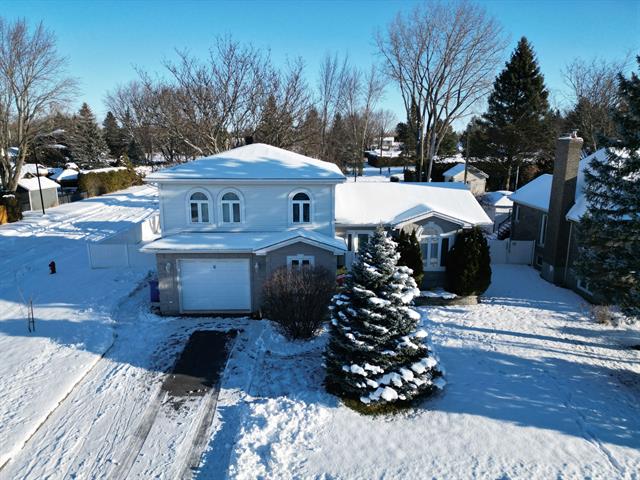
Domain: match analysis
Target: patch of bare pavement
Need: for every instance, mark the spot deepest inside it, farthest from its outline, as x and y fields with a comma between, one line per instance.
x=197, y=373
x=200, y=365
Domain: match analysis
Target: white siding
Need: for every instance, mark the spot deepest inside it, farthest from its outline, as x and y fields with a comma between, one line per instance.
x=266, y=207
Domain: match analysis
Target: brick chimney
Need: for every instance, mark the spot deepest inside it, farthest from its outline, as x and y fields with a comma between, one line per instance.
x=563, y=191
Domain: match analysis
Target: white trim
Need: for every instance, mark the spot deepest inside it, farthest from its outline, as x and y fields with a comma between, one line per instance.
x=209, y=205
x=290, y=204
x=300, y=258
x=542, y=234
x=219, y=203
x=427, y=241
x=313, y=243
x=581, y=284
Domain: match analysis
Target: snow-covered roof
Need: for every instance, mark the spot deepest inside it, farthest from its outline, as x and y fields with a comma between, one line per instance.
x=393, y=203
x=581, y=205
x=254, y=162
x=459, y=168
x=499, y=198
x=242, y=242
x=535, y=194
x=30, y=169
x=104, y=169
x=66, y=174
x=31, y=183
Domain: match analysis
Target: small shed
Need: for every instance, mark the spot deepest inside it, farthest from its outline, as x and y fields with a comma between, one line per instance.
x=29, y=193
x=476, y=178
x=498, y=206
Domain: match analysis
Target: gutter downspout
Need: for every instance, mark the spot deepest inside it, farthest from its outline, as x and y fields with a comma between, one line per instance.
x=566, y=262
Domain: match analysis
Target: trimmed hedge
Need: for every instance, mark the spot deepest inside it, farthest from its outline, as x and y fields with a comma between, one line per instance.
x=99, y=183
x=469, y=264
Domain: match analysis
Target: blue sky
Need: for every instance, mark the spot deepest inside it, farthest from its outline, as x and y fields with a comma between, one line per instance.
x=105, y=40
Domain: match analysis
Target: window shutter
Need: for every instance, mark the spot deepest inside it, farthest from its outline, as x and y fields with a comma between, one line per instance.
x=445, y=252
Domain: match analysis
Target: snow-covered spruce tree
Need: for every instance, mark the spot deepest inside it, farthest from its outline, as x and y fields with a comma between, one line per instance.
x=609, y=234
x=376, y=354
x=86, y=142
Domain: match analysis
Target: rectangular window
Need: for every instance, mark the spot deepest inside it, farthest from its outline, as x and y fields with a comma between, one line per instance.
x=363, y=239
x=306, y=212
x=516, y=213
x=350, y=242
x=236, y=213
x=300, y=261
x=296, y=213
x=194, y=212
x=584, y=286
x=226, y=218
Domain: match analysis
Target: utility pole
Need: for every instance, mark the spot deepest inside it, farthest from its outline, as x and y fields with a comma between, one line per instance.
x=35, y=155
x=466, y=159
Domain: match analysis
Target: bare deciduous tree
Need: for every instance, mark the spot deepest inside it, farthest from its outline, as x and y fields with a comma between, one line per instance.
x=594, y=94
x=443, y=56
x=32, y=84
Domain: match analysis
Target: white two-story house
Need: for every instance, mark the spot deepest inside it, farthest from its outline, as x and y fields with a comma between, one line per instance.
x=230, y=220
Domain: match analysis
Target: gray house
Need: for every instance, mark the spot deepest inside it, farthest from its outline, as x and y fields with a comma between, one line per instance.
x=476, y=178
x=230, y=220
x=548, y=209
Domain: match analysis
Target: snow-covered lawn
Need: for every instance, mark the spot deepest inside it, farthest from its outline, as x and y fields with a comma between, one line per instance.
x=373, y=174
x=536, y=389
x=73, y=308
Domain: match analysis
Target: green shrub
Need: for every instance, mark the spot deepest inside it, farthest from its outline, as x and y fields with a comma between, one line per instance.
x=99, y=183
x=469, y=264
x=411, y=254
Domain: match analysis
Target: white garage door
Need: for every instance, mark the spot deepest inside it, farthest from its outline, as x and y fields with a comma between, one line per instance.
x=215, y=284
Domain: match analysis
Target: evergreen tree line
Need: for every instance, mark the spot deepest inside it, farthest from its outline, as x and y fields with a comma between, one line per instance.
x=78, y=138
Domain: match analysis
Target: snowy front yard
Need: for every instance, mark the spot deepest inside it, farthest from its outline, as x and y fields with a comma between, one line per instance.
x=535, y=389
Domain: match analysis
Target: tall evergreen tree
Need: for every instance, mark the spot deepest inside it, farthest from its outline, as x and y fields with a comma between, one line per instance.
x=518, y=114
x=86, y=140
x=469, y=264
x=411, y=254
x=609, y=233
x=376, y=354
x=114, y=136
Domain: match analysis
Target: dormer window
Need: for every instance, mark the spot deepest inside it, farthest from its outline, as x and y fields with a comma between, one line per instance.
x=199, y=207
x=300, y=208
x=231, y=206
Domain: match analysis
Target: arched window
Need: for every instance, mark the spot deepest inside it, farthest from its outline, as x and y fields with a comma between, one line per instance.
x=301, y=208
x=199, y=207
x=231, y=206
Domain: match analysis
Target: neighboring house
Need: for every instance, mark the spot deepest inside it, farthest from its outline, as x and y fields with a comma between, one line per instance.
x=436, y=211
x=66, y=177
x=548, y=209
x=498, y=206
x=29, y=189
x=476, y=178
x=230, y=220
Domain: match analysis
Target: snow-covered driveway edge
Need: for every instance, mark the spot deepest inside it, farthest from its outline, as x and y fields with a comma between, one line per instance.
x=54, y=403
